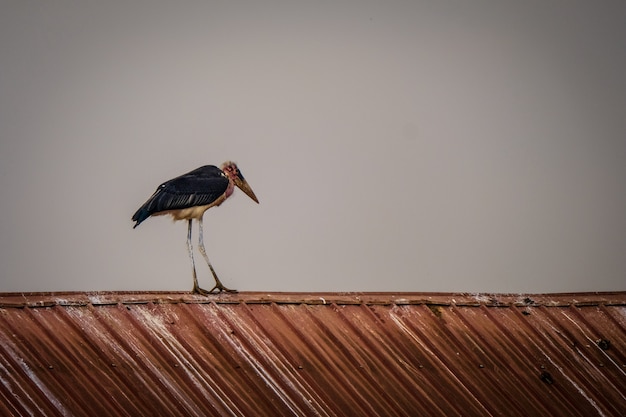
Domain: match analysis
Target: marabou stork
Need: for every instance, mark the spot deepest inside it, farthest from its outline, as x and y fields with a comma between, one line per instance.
x=187, y=197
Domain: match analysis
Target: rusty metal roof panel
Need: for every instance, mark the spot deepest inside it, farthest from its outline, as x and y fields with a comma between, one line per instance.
x=322, y=354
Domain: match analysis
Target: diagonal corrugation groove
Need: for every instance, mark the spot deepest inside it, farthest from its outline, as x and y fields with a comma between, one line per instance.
x=340, y=343
x=67, y=346
x=595, y=336
x=97, y=334
x=24, y=393
x=286, y=327
x=84, y=350
x=390, y=378
x=250, y=346
x=504, y=330
x=41, y=356
x=401, y=377
x=427, y=392
x=594, y=356
x=24, y=389
x=441, y=363
x=225, y=341
x=301, y=384
x=207, y=349
x=185, y=371
x=508, y=359
x=226, y=358
x=132, y=346
x=598, y=392
x=547, y=364
x=258, y=349
x=608, y=324
x=329, y=369
x=466, y=363
x=352, y=343
x=322, y=371
x=548, y=339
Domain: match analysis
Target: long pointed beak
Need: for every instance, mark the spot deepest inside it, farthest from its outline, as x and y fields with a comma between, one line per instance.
x=243, y=185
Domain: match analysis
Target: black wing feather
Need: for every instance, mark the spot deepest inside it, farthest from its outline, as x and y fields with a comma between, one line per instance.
x=199, y=187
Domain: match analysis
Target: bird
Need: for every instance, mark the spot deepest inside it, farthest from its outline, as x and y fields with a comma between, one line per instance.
x=187, y=197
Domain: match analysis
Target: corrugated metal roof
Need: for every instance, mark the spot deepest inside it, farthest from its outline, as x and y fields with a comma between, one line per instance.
x=366, y=354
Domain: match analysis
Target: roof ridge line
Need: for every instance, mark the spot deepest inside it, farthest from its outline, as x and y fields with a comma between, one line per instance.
x=81, y=299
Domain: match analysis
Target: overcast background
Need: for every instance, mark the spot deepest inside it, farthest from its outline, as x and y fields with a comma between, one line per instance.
x=472, y=146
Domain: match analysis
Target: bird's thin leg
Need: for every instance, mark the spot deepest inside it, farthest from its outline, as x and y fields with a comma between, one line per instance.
x=196, y=287
x=218, y=283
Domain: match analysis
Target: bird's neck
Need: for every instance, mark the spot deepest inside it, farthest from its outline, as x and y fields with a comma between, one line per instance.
x=229, y=189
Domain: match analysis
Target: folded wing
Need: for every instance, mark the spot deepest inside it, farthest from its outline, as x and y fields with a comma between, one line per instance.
x=199, y=187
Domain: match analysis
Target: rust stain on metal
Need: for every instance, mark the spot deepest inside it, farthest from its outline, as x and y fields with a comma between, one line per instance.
x=318, y=354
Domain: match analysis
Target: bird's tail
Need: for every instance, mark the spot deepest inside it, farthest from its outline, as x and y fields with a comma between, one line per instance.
x=141, y=215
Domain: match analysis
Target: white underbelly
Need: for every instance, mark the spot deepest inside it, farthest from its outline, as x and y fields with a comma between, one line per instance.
x=194, y=212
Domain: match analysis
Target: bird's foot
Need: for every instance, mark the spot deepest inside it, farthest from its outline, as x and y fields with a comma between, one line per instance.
x=219, y=288
x=218, y=284
x=201, y=291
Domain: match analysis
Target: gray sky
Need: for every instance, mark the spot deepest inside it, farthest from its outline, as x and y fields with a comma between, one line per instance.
x=394, y=146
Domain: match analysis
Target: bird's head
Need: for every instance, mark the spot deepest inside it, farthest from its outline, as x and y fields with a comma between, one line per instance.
x=232, y=171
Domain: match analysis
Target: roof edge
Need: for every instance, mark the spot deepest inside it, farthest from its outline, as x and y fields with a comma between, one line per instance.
x=73, y=298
